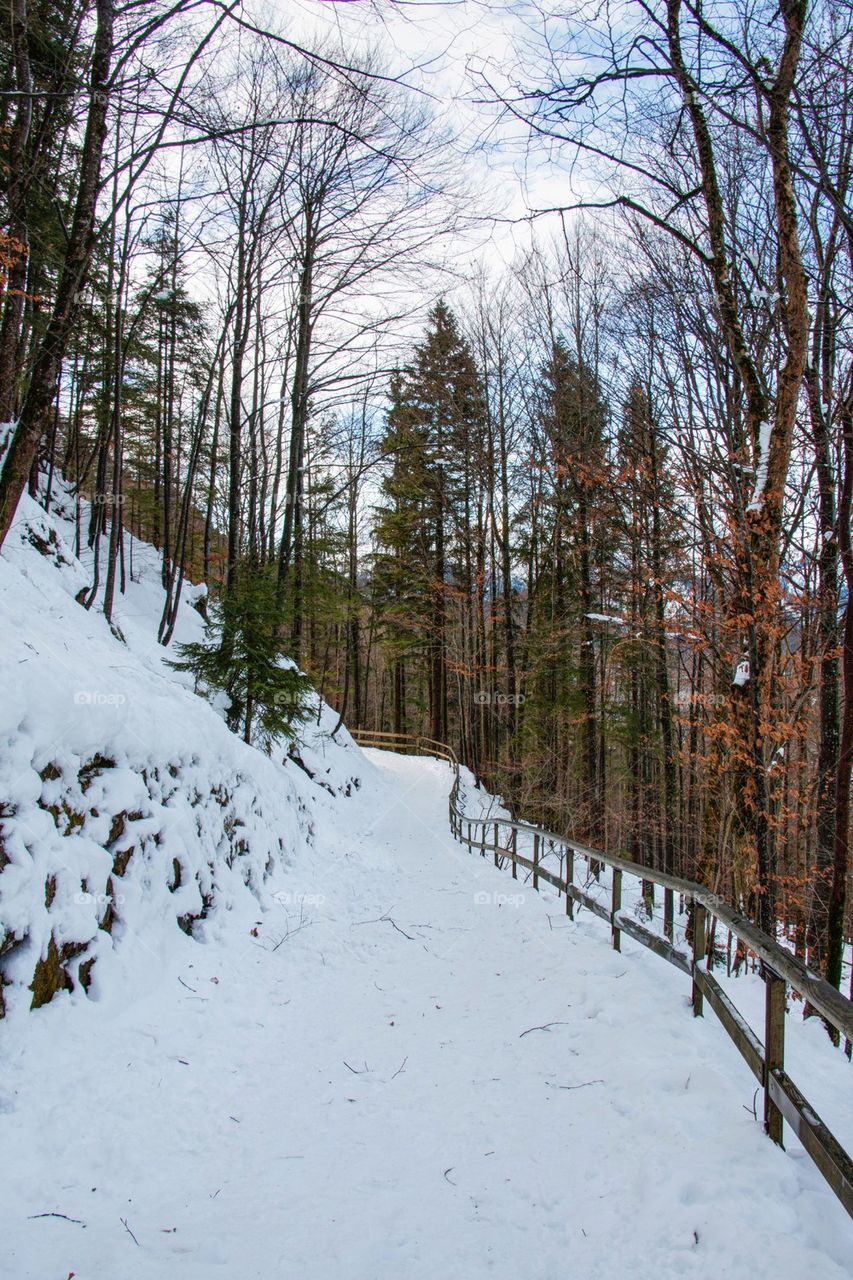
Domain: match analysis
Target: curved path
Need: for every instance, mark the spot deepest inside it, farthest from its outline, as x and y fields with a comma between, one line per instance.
x=418, y=1068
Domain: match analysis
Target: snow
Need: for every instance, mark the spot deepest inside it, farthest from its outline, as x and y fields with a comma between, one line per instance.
x=378, y=1056
x=741, y=675
x=106, y=757
x=6, y=429
x=398, y=1080
x=756, y=502
x=604, y=617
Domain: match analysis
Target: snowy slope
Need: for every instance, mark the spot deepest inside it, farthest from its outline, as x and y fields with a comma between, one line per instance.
x=127, y=805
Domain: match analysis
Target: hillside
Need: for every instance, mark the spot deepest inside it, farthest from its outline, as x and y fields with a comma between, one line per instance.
x=129, y=804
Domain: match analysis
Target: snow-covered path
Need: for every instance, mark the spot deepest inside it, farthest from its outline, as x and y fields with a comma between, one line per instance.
x=401, y=1075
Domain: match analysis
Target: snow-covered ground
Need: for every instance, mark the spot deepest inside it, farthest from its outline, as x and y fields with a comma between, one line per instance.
x=397, y=1072
x=822, y=1073
x=377, y=1056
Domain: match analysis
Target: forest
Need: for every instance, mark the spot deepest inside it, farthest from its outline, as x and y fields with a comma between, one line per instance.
x=581, y=510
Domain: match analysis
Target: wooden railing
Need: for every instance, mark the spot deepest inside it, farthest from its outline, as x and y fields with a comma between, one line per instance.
x=780, y=969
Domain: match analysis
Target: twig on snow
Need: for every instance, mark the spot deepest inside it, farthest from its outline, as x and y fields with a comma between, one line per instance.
x=545, y=1027
x=399, y=930
x=292, y=932
x=386, y=919
x=64, y=1216
x=130, y=1233
x=579, y=1086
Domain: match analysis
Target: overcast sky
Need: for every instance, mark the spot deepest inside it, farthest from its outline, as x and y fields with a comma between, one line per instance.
x=437, y=48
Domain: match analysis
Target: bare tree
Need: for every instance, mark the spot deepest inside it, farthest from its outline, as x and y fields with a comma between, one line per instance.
x=663, y=100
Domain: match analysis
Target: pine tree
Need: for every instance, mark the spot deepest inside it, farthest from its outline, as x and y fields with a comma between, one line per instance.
x=435, y=430
x=240, y=656
x=564, y=677
x=401, y=566
x=651, y=521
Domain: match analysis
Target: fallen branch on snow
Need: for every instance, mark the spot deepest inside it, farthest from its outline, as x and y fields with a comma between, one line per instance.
x=545, y=1027
x=64, y=1217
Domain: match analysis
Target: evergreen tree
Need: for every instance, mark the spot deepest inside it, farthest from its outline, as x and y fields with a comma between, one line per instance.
x=435, y=430
x=650, y=531
x=401, y=567
x=562, y=724
x=240, y=656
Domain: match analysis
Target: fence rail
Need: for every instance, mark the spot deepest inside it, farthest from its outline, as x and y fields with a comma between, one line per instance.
x=783, y=1101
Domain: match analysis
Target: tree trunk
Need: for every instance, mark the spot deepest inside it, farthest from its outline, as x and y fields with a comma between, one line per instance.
x=16, y=192
x=837, y=902
x=72, y=281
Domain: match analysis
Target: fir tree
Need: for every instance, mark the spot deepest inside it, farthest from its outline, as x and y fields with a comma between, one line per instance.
x=562, y=727
x=434, y=438
x=241, y=657
x=401, y=572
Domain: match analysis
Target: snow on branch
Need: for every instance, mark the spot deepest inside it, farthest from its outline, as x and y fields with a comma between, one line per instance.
x=756, y=502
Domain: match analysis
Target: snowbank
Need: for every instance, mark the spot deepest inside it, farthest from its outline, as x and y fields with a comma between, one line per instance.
x=127, y=807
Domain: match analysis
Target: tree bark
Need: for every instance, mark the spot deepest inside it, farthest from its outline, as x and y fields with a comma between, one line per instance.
x=72, y=281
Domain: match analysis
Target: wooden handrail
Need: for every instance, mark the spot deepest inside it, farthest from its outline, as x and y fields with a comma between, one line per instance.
x=782, y=1098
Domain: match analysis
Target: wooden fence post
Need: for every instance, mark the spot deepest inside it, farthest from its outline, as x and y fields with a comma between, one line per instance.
x=774, y=1048
x=496, y=845
x=514, y=845
x=536, y=861
x=668, y=914
x=698, y=953
x=570, y=879
x=616, y=905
